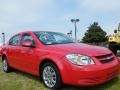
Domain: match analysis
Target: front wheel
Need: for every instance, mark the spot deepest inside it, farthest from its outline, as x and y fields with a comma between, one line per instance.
x=51, y=76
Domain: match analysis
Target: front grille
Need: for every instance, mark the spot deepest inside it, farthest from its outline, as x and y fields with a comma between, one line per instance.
x=105, y=58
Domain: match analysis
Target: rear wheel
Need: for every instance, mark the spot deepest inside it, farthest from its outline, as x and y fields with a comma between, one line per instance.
x=51, y=76
x=5, y=66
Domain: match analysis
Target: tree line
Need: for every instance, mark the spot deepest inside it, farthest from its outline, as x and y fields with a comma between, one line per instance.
x=94, y=34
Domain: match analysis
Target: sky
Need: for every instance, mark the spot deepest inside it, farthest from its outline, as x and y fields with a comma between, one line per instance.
x=55, y=15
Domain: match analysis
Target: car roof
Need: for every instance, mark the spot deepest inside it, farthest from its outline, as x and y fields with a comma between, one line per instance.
x=35, y=31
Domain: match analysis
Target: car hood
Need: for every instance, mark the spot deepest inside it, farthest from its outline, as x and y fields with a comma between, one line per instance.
x=81, y=48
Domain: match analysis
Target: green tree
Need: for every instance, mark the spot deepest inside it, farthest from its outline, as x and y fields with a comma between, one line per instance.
x=94, y=34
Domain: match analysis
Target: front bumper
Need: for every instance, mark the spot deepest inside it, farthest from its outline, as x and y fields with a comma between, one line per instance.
x=90, y=75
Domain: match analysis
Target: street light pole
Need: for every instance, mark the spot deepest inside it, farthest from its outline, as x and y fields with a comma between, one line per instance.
x=75, y=31
x=3, y=35
x=75, y=21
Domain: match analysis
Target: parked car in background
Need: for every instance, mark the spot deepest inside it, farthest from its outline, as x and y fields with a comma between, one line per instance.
x=57, y=59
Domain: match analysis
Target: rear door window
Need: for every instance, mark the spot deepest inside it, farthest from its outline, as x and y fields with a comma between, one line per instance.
x=14, y=40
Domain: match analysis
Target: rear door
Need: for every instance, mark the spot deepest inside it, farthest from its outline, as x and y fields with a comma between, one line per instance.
x=13, y=50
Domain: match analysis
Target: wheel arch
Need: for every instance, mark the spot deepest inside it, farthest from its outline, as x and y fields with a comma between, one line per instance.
x=113, y=42
x=52, y=61
x=45, y=61
x=3, y=56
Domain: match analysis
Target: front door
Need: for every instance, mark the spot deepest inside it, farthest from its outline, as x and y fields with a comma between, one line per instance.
x=28, y=57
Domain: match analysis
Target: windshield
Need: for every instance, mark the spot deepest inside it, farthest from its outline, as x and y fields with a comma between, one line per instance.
x=50, y=38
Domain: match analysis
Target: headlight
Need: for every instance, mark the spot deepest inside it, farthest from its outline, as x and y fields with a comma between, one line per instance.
x=79, y=59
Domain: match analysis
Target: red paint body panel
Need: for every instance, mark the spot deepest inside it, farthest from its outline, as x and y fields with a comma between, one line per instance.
x=0, y=51
x=29, y=59
x=90, y=75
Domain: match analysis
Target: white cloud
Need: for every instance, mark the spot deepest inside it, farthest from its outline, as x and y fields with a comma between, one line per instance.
x=23, y=11
x=101, y=5
x=111, y=27
x=15, y=14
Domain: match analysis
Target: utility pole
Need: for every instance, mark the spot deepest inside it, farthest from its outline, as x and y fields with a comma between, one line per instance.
x=75, y=21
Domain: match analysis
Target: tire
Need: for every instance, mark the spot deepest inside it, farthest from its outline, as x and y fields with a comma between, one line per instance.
x=5, y=65
x=51, y=76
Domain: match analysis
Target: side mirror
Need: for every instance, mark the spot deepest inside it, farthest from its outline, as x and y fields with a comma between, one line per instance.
x=28, y=44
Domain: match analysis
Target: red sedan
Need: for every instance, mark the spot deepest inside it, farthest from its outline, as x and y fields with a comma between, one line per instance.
x=58, y=60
